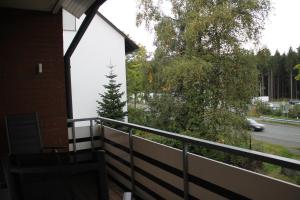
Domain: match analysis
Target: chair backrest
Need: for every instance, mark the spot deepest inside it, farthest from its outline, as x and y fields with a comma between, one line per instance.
x=23, y=134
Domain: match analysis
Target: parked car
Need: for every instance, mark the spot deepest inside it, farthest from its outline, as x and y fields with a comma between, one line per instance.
x=294, y=101
x=254, y=125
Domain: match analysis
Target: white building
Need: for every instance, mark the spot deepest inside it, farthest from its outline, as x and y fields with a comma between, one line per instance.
x=103, y=44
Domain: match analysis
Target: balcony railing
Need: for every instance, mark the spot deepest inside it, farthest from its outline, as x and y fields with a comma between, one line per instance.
x=155, y=171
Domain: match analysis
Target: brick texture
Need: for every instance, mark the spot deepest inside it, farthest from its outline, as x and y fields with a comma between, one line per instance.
x=26, y=39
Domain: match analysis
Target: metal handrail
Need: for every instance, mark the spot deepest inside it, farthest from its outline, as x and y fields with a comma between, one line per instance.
x=273, y=159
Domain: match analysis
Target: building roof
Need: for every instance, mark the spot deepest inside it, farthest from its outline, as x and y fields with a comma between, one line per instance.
x=130, y=45
x=77, y=8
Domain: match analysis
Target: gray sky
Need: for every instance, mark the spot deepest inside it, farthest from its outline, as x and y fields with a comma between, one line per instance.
x=282, y=29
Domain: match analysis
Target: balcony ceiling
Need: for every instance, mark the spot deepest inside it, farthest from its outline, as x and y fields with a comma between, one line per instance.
x=76, y=7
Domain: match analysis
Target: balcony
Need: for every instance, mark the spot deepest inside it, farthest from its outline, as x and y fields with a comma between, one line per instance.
x=154, y=171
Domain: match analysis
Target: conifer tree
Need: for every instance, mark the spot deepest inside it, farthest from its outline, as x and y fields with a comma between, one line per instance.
x=111, y=105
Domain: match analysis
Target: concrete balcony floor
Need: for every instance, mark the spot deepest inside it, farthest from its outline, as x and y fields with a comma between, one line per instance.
x=115, y=192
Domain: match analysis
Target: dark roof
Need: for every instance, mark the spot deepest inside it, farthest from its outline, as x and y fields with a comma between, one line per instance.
x=130, y=45
x=77, y=8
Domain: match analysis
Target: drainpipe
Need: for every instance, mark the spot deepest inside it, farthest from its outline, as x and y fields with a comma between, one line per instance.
x=90, y=13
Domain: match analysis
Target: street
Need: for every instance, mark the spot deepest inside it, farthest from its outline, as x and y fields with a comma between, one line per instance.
x=285, y=135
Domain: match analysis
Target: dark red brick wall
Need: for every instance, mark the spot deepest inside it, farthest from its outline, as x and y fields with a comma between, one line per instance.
x=26, y=39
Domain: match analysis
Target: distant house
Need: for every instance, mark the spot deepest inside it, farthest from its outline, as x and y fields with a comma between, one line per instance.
x=102, y=45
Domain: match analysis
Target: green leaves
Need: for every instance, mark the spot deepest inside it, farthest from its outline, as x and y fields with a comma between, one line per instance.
x=298, y=68
x=198, y=26
x=193, y=99
x=203, y=79
x=139, y=73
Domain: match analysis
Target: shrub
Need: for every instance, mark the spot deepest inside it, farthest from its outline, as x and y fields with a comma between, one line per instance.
x=263, y=108
x=277, y=112
x=137, y=116
x=294, y=111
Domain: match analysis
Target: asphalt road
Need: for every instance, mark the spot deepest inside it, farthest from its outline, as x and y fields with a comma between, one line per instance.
x=285, y=135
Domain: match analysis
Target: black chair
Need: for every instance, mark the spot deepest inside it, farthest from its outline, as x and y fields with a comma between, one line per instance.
x=80, y=181
x=24, y=136
x=23, y=133
x=2, y=177
x=34, y=174
x=3, y=187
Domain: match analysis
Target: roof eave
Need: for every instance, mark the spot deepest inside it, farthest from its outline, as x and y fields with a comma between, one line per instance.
x=130, y=45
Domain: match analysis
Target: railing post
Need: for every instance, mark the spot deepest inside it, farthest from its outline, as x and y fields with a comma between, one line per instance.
x=92, y=135
x=250, y=142
x=74, y=136
x=102, y=134
x=131, y=162
x=185, y=171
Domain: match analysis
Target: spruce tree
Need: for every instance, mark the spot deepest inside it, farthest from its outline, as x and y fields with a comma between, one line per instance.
x=111, y=105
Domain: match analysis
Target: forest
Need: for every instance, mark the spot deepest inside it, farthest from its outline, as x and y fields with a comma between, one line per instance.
x=277, y=74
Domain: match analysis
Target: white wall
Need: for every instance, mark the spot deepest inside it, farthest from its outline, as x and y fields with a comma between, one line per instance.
x=100, y=46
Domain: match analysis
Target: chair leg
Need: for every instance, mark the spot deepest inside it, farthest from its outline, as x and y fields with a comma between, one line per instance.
x=10, y=182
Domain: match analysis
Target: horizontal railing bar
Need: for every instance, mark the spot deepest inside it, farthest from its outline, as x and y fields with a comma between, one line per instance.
x=82, y=119
x=196, y=180
x=269, y=158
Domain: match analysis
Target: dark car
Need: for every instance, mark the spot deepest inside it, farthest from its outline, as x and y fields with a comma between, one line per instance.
x=294, y=101
x=254, y=125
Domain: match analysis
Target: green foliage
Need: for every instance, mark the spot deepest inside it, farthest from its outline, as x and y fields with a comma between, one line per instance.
x=110, y=105
x=275, y=170
x=294, y=111
x=277, y=112
x=137, y=116
x=263, y=60
x=163, y=140
x=291, y=60
x=202, y=27
x=191, y=101
x=279, y=69
x=138, y=74
x=202, y=78
x=297, y=67
x=262, y=108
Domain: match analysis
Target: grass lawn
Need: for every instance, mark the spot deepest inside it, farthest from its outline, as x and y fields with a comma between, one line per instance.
x=277, y=122
x=281, y=117
x=274, y=170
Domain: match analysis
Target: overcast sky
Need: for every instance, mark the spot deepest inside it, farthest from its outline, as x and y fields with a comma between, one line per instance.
x=282, y=29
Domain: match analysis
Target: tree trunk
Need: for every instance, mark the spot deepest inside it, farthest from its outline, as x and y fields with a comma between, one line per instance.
x=291, y=79
x=278, y=87
x=271, y=85
x=296, y=94
x=262, y=85
x=135, y=96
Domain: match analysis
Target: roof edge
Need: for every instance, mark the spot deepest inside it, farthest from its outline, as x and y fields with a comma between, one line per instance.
x=130, y=45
